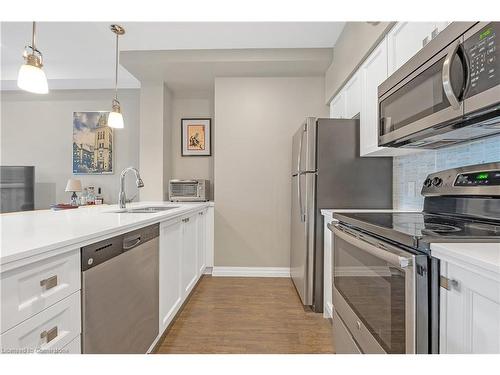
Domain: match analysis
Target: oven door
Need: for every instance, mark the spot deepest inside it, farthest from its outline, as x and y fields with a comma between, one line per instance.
x=374, y=292
x=426, y=100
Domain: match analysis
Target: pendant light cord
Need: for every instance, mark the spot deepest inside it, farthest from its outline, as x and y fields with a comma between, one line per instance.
x=33, y=36
x=116, y=68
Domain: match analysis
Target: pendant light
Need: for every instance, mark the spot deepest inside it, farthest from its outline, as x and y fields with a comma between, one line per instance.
x=31, y=77
x=115, y=118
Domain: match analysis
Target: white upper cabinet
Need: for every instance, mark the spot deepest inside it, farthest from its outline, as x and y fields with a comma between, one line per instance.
x=352, y=96
x=373, y=72
x=337, y=106
x=407, y=38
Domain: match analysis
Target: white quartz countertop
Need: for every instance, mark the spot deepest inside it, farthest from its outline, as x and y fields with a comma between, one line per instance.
x=30, y=233
x=483, y=255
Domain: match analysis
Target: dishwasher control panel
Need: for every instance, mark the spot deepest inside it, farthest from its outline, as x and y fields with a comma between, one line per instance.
x=99, y=252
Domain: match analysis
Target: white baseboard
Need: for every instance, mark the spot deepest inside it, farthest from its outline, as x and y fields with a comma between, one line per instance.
x=208, y=271
x=251, y=271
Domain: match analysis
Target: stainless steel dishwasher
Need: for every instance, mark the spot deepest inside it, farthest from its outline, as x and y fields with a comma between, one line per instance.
x=120, y=293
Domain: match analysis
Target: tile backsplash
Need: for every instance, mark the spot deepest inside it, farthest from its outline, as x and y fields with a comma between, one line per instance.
x=410, y=171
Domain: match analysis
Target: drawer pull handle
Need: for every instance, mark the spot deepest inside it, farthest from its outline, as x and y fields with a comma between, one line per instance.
x=448, y=284
x=49, y=335
x=49, y=283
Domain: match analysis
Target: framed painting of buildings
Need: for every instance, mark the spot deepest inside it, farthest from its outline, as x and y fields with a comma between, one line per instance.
x=196, y=137
x=92, y=143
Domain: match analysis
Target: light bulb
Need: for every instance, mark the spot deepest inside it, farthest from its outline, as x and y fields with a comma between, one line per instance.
x=115, y=120
x=32, y=78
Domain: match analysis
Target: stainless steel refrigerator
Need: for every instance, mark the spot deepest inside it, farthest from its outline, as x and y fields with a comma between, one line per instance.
x=327, y=172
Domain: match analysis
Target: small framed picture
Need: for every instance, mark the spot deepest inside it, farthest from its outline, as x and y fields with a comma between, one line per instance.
x=196, y=137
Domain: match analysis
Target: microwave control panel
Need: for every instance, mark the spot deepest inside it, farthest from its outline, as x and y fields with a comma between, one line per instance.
x=483, y=53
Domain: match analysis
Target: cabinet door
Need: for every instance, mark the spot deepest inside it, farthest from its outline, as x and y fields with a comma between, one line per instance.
x=373, y=73
x=327, y=269
x=352, y=93
x=189, y=254
x=209, y=234
x=202, y=241
x=407, y=38
x=469, y=312
x=170, y=271
x=337, y=106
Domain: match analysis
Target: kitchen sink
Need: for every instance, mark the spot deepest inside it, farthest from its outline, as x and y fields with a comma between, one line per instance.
x=145, y=210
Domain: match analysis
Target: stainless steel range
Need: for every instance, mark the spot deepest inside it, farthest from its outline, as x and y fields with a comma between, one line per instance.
x=386, y=282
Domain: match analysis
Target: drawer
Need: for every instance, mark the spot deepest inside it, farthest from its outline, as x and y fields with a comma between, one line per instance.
x=342, y=339
x=74, y=347
x=365, y=340
x=48, y=331
x=27, y=290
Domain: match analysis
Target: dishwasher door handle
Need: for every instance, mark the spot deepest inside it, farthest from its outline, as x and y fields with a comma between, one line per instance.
x=129, y=243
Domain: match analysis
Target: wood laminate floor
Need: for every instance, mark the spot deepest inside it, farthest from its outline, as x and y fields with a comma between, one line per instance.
x=247, y=315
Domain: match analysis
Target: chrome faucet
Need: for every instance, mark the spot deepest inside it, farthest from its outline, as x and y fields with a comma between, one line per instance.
x=122, y=199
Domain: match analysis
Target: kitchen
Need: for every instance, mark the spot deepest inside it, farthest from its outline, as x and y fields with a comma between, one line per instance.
x=246, y=192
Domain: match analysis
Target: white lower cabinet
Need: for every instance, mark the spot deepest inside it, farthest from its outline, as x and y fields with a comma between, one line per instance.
x=29, y=289
x=189, y=265
x=170, y=271
x=202, y=241
x=74, y=347
x=185, y=250
x=469, y=311
x=49, y=331
x=327, y=268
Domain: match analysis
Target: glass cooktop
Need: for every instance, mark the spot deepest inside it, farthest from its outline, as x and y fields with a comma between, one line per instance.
x=418, y=229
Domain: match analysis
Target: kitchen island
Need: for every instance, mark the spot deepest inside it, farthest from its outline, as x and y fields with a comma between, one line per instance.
x=40, y=267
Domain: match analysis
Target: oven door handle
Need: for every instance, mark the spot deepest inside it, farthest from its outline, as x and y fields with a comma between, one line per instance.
x=381, y=252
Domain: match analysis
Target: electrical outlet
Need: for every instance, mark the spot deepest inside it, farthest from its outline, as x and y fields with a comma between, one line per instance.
x=411, y=189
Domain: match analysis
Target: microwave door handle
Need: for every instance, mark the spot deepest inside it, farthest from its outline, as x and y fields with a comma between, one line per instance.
x=446, y=76
x=391, y=258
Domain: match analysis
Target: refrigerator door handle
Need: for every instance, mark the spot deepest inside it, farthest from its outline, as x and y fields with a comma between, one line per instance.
x=299, y=156
x=299, y=191
x=299, y=174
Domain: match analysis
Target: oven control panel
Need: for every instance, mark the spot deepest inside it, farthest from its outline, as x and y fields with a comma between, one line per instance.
x=475, y=180
x=478, y=178
x=483, y=53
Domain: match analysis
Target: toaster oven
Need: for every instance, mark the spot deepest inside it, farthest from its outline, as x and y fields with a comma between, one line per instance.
x=189, y=190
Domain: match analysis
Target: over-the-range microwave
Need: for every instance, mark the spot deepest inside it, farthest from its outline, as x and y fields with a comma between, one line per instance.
x=449, y=92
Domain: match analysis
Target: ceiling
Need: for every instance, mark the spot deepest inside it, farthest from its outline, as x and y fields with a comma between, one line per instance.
x=81, y=54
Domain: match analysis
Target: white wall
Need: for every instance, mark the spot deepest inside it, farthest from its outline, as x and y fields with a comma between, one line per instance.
x=256, y=119
x=155, y=139
x=37, y=130
x=187, y=167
